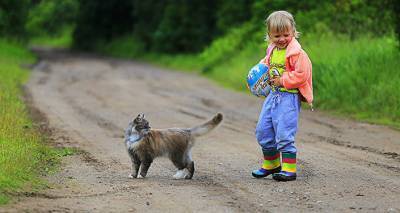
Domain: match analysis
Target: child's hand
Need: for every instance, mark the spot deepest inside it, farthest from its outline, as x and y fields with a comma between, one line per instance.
x=276, y=81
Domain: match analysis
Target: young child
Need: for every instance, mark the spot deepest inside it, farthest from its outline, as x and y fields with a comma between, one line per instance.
x=291, y=81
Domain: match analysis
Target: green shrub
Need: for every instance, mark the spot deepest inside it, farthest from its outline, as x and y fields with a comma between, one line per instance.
x=50, y=17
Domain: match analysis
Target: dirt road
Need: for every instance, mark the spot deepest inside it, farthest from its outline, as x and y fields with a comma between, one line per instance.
x=344, y=166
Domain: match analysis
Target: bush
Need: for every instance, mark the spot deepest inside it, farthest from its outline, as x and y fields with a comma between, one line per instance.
x=51, y=17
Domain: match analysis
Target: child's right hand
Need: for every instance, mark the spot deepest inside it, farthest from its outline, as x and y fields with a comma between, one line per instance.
x=276, y=81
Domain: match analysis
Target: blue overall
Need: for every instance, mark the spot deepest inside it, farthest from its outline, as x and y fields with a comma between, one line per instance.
x=277, y=124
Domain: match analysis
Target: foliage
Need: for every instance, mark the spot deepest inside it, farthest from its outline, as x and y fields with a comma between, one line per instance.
x=102, y=20
x=63, y=39
x=396, y=16
x=50, y=17
x=165, y=26
x=231, y=15
x=127, y=46
x=196, y=23
x=350, y=17
x=225, y=48
x=189, y=26
x=147, y=15
x=13, y=15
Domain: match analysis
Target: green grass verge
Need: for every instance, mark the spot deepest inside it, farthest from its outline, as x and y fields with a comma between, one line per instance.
x=24, y=156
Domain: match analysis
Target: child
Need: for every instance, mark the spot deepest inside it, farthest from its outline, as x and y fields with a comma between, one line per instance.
x=291, y=81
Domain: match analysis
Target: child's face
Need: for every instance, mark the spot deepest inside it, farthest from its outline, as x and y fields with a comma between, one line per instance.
x=281, y=39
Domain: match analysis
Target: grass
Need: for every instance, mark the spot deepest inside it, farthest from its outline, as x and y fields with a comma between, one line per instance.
x=357, y=78
x=23, y=154
x=63, y=40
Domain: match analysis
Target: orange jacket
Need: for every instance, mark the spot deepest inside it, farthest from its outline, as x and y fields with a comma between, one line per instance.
x=299, y=70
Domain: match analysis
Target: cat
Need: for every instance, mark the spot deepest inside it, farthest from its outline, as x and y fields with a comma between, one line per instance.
x=145, y=144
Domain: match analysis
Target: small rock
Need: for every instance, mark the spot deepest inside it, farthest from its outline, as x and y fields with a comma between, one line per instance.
x=147, y=203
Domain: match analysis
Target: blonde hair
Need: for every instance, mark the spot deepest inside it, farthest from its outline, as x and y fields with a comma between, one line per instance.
x=280, y=21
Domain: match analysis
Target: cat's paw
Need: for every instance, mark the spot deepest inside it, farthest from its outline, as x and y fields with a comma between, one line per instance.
x=140, y=176
x=130, y=176
x=181, y=174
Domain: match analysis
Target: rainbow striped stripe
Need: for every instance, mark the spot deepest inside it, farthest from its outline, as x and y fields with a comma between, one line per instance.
x=289, y=162
x=271, y=160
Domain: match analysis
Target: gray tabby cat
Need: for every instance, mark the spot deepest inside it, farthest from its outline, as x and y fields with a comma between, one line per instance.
x=144, y=145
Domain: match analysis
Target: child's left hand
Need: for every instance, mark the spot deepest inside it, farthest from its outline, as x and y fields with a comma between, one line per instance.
x=276, y=81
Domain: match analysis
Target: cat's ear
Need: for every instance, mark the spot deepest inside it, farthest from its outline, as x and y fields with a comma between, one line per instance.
x=141, y=115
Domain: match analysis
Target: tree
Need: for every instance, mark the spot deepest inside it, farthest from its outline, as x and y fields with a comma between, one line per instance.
x=148, y=15
x=229, y=15
x=102, y=21
x=396, y=14
x=186, y=26
x=13, y=16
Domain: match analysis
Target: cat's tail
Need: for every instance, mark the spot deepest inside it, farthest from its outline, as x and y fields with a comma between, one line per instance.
x=207, y=126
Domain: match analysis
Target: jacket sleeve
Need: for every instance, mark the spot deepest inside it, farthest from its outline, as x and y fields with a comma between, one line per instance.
x=300, y=74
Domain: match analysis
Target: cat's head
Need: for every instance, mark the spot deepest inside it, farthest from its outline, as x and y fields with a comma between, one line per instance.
x=140, y=124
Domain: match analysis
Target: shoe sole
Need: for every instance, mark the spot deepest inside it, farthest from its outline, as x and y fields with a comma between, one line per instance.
x=274, y=171
x=283, y=178
x=259, y=176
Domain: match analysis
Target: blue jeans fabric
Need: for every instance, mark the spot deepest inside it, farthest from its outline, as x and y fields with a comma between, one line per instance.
x=278, y=121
